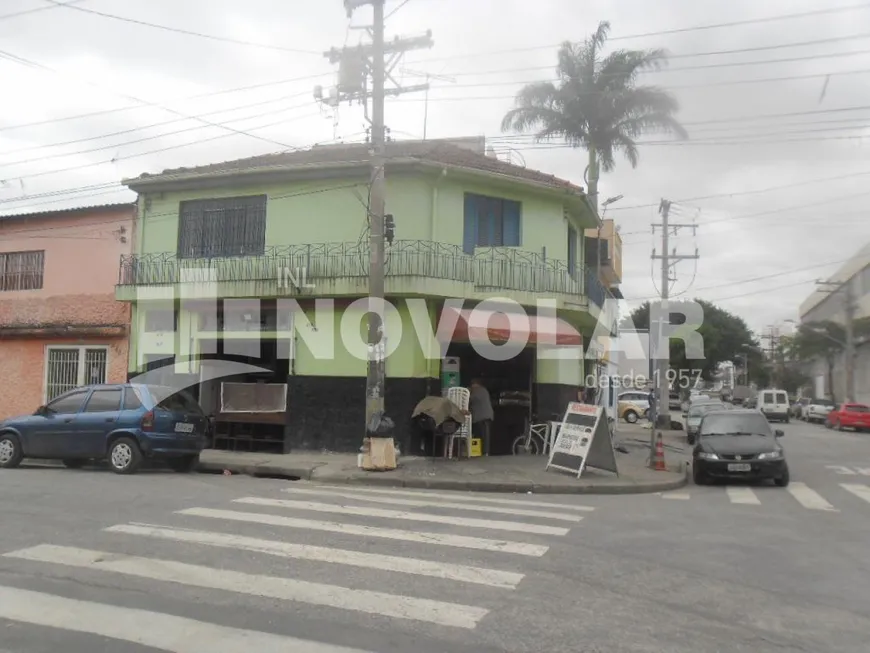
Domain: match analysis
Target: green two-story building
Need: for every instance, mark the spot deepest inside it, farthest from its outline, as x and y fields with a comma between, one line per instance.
x=263, y=261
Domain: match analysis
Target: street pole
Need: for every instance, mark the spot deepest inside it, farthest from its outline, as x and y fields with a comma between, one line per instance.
x=850, y=342
x=356, y=64
x=662, y=341
x=375, y=377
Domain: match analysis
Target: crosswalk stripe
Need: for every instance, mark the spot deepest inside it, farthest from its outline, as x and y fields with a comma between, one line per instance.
x=376, y=561
x=860, y=491
x=288, y=589
x=682, y=496
x=454, y=496
x=364, y=511
x=742, y=495
x=444, y=539
x=150, y=629
x=808, y=497
x=417, y=503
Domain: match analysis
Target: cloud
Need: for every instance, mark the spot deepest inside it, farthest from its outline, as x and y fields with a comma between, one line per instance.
x=728, y=160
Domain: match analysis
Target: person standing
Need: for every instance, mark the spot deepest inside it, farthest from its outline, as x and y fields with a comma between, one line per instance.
x=480, y=405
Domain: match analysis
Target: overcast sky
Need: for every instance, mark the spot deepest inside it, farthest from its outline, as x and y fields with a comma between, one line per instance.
x=781, y=201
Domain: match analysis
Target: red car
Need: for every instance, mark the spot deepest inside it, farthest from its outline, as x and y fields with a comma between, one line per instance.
x=849, y=416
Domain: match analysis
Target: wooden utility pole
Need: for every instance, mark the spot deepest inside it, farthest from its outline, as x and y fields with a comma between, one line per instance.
x=356, y=65
x=668, y=259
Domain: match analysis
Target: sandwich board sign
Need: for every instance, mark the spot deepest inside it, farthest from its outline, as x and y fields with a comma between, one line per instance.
x=583, y=441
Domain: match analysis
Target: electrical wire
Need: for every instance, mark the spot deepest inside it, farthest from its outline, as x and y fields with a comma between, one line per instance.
x=404, y=2
x=24, y=12
x=33, y=64
x=178, y=30
x=105, y=112
x=680, y=30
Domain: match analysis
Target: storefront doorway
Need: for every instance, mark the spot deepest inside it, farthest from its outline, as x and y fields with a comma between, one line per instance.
x=510, y=385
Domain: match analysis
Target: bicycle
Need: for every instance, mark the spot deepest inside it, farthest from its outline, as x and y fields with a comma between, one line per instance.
x=535, y=440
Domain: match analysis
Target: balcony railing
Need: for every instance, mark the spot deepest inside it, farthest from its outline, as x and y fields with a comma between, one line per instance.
x=488, y=269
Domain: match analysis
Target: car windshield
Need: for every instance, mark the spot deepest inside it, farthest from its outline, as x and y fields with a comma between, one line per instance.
x=858, y=408
x=822, y=402
x=735, y=424
x=174, y=401
x=699, y=411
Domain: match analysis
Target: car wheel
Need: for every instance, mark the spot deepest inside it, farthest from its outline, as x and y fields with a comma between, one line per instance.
x=782, y=481
x=698, y=476
x=73, y=463
x=630, y=416
x=11, y=453
x=183, y=465
x=125, y=456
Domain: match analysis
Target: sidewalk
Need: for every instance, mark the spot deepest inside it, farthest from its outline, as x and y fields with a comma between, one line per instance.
x=490, y=474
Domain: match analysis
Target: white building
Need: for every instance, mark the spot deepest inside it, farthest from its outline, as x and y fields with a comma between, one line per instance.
x=824, y=305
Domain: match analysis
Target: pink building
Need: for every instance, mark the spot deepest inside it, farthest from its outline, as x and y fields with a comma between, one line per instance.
x=60, y=326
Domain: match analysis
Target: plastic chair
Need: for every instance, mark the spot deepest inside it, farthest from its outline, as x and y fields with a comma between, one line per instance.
x=461, y=397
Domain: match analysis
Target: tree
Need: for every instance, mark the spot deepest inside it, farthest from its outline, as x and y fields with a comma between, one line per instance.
x=726, y=338
x=820, y=340
x=596, y=104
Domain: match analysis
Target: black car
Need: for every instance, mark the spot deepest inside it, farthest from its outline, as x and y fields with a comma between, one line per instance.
x=738, y=444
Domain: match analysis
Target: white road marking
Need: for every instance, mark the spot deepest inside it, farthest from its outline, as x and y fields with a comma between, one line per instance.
x=418, y=503
x=287, y=589
x=860, y=491
x=742, y=495
x=681, y=496
x=445, y=570
x=444, y=539
x=839, y=469
x=151, y=629
x=808, y=497
x=364, y=511
x=459, y=496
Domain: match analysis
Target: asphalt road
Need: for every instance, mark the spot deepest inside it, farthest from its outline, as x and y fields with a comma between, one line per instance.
x=91, y=562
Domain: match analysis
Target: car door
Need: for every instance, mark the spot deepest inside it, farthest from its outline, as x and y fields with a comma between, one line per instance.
x=97, y=419
x=48, y=437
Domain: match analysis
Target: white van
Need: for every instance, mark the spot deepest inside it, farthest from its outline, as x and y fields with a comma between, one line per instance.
x=774, y=404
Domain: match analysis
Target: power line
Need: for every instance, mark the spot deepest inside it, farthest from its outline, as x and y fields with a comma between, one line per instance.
x=105, y=112
x=162, y=149
x=404, y=2
x=681, y=30
x=731, y=64
x=178, y=30
x=39, y=66
x=24, y=12
x=143, y=139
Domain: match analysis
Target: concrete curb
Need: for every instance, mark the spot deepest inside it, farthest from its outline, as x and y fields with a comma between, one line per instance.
x=385, y=479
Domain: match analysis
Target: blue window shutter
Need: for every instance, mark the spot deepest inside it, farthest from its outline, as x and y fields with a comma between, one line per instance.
x=469, y=234
x=572, y=250
x=511, y=227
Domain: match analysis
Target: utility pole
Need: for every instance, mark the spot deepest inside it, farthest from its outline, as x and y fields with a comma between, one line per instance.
x=668, y=260
x=356, y=64
x=849, y=327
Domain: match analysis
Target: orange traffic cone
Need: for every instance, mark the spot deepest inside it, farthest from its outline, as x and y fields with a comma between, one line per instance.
x=659, y=464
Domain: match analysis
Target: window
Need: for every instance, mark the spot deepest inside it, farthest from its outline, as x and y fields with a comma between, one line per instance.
x=781, y=398
x=160, y=320
x=767, y=398
x=490, y=222
x=67, y=368
x=131, y=400
x=234, y=226
x=68, y=404
x=572, y=250
x=104, y=401
x=175, y=401
x=21, y=270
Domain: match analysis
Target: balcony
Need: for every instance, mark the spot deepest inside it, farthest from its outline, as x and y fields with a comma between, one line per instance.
x=335, y=269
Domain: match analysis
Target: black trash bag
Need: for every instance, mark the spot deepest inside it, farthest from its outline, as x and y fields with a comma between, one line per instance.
x=380, y=426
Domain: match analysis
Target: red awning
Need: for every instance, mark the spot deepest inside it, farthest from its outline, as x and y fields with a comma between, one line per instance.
x=478, y=325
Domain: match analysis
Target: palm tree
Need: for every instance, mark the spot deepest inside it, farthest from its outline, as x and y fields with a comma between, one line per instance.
x=596, y=104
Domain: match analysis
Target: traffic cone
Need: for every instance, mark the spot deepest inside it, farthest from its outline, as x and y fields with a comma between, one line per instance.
x=659, y=464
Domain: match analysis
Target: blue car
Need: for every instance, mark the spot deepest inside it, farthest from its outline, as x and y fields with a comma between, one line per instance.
x=123, y=424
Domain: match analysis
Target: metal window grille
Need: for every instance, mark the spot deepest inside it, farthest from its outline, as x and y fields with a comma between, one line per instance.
x=21, y=270
x=219, y=228
x=70, y=367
